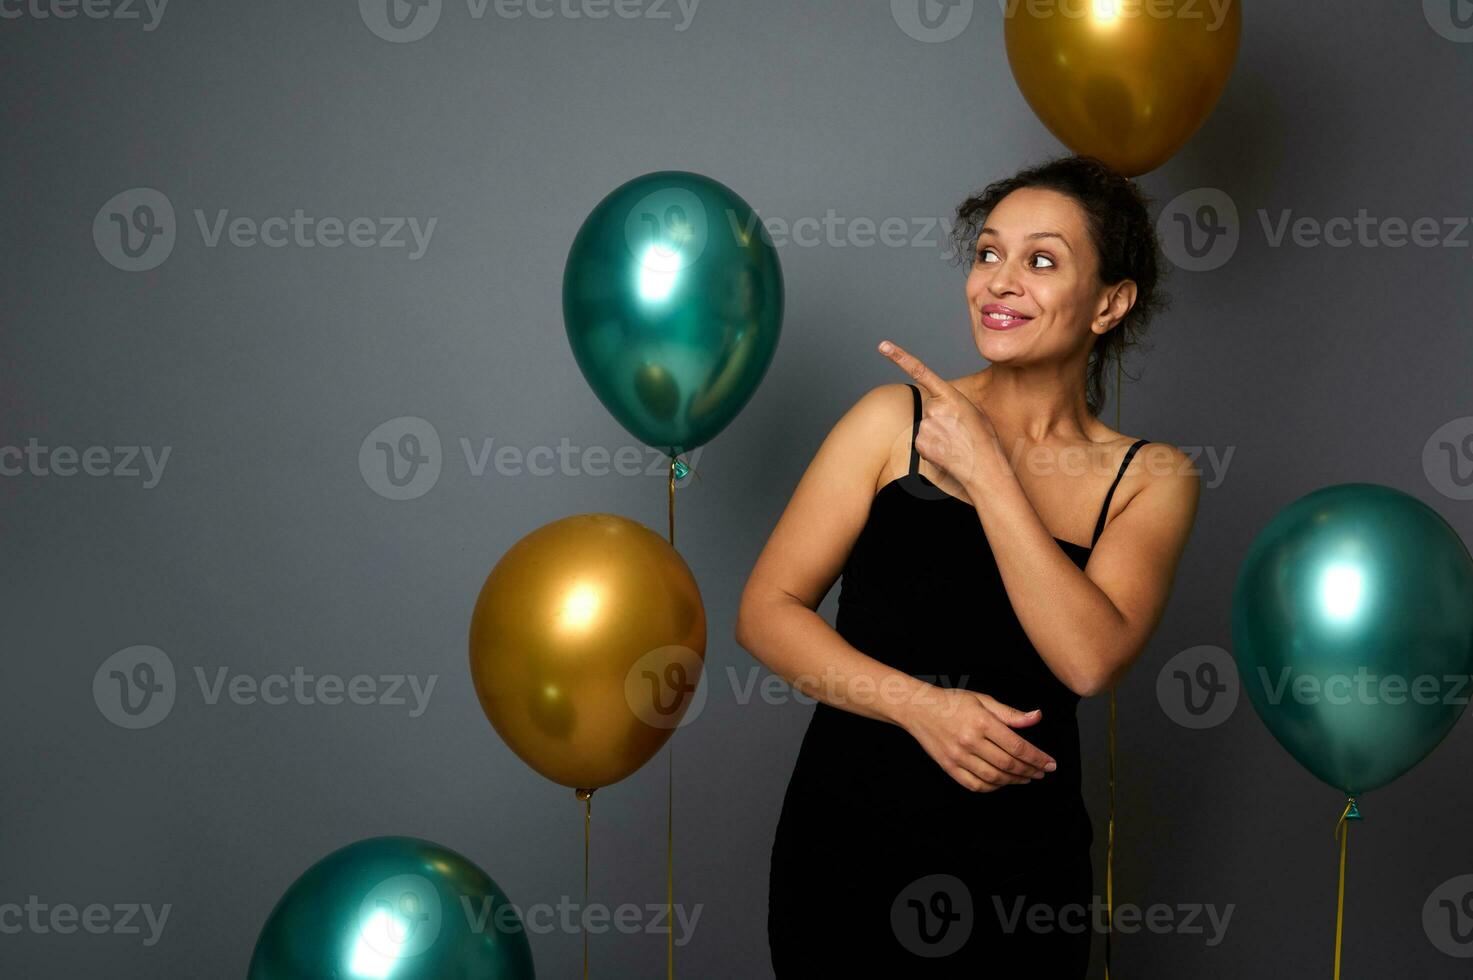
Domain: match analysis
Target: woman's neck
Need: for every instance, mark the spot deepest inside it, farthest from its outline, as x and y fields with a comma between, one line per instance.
x=1036, y=405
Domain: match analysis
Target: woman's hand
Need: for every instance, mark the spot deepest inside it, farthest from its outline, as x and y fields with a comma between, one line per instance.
x=953, y=431
x=970, y=736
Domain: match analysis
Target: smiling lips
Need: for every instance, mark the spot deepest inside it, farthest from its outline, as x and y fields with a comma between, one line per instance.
x=995, y=316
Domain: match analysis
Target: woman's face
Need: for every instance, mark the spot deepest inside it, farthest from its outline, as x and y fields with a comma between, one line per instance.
x=1034, y=292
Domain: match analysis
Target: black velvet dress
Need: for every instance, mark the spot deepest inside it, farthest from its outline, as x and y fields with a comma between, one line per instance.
x=881, y=861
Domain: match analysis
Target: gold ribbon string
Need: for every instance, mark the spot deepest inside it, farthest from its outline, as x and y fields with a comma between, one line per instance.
x=1351, y=812
x=586, y=795
x=1110, y=844
x=670, y=801
x=1110, y=833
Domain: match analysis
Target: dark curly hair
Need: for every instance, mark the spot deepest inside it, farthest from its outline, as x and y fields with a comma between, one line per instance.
x=1123, y=234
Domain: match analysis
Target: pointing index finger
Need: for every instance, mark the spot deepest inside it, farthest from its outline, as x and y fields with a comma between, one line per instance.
x=911, y=365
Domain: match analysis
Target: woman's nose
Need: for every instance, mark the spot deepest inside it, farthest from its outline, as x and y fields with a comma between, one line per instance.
x=1004, y=280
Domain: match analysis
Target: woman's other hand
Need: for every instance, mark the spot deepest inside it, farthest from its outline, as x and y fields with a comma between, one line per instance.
x=970, y=736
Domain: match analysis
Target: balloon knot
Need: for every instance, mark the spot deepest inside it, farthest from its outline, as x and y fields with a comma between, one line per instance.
x=681, y=469
x=584, y=794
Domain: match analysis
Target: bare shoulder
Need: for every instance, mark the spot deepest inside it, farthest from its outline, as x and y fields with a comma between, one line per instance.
x=882, y=419
x=885, y=403
x=1164, y=474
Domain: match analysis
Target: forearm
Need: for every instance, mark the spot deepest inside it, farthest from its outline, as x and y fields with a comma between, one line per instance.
x=1070, y=620
x=798, y=645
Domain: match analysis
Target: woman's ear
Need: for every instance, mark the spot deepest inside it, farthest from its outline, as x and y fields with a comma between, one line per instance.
x=1118, y=301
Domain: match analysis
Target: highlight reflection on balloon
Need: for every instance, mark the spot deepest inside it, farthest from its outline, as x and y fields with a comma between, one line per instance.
x=1124, y=81
x=586, y=644
x=673, y=302
x=1352, y=628
x=393, y=907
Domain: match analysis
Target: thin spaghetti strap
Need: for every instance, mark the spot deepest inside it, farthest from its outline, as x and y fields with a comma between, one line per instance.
x=1100, y=524
x=915, y=427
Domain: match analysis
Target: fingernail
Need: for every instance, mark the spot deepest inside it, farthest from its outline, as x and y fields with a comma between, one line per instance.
x=1051, y=766
x=884, y=347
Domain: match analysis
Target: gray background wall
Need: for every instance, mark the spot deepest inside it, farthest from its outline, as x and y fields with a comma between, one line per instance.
x=264, y=547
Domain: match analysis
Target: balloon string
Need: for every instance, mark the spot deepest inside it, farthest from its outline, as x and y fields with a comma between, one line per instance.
x=1351, y=812
x=587, y=796
x=670, y=801
x=1110, y=844
x=1110, y=832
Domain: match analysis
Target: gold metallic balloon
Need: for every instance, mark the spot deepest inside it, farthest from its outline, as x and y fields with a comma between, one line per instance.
x=586, y=646
x=1127, y=81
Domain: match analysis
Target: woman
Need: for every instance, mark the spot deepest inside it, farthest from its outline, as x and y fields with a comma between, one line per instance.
x=934, y=821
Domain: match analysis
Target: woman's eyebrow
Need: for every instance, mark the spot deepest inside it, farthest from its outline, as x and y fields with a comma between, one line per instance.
x=1035, y=235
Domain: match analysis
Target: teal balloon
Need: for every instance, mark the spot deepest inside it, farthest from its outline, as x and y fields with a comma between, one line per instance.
x=393, y=907
x=1352, y=625
x=673, y=303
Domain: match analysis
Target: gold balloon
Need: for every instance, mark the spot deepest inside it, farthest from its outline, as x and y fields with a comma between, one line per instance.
x=1127, y=81
x=586, y=646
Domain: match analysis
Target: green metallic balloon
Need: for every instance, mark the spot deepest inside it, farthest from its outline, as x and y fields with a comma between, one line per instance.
x=393, y=907
x=673, y=302
x=1353, y=632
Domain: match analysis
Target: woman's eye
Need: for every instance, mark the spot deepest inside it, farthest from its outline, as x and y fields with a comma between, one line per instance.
x=987, y=254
